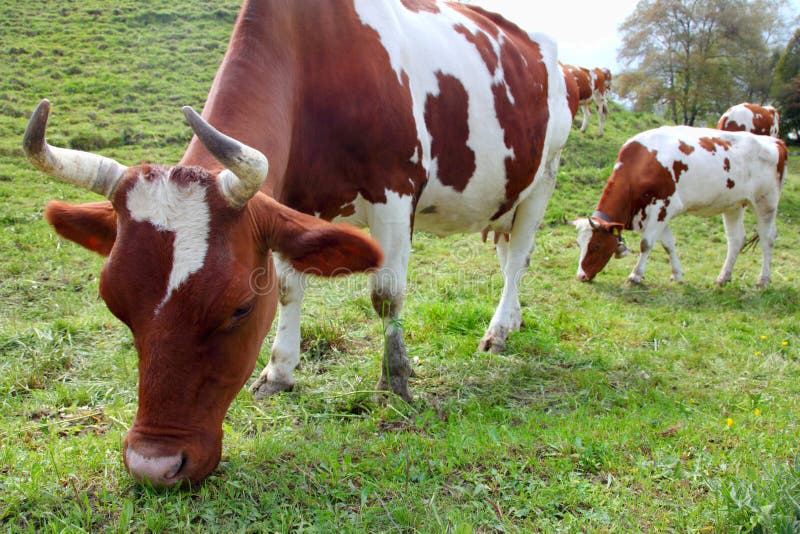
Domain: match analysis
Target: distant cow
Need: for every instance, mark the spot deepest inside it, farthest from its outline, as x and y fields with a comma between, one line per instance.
x=671, y=170
x=592, y=87
x=761, y=120
x=392, y=114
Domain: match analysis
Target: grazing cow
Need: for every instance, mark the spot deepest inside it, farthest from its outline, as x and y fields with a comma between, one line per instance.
x=397, y=115
x=671, y=170
x=189, y=271
x=592, y=87
x=761, y=120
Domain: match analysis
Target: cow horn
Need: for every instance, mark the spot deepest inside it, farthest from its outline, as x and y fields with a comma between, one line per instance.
x=593, y=224
x=83, y=169
x=246, y=167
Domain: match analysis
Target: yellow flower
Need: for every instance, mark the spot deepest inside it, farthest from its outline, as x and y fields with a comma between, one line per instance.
x=756, y=412
x=785, y=342
x=692, y=401
x=729, y=422
x=763, y=337
x=758, y=353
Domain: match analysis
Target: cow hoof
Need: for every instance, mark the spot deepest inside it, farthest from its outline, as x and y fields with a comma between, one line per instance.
x=634, y=281
x=722, y=281
x=492, y=344
x=399, y=387
x=762, y=283
x=263, y=388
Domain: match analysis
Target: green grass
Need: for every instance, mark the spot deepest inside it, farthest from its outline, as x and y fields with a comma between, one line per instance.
x=609, y=411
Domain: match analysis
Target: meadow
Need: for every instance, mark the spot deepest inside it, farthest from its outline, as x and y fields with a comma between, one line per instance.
x=653, y=408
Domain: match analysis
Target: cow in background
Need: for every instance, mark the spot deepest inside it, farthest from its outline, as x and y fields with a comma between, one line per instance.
x=761, y=120
x=671, y=170
x=395, y=114
x=592, y=88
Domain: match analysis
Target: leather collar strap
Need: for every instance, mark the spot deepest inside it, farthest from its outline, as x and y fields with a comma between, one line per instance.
x=602, y=216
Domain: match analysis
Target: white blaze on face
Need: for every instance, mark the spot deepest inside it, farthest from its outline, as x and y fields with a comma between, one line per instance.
x=181, y=209
x=584, y=236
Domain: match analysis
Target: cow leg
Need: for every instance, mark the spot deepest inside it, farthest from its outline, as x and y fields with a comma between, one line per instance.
x=277, y=375
x=650, y=235
x=637, y=274
x=390, y=225
x=601, y=114
x=508, y=315
x=514, y=257
x=586, y=114
x=766, y=209
x=668, y=241
x=734, y=231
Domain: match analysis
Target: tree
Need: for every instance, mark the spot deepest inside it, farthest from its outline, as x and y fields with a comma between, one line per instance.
x=694, y=58
x=786, y=85
x=788, y=65
x=790, y=109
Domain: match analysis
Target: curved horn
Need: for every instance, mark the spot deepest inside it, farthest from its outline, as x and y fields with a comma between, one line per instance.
x=593, y=224
x=83, y=169
x=246, y=167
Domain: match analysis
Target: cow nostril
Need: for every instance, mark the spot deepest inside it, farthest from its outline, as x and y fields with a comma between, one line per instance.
x=179, y=469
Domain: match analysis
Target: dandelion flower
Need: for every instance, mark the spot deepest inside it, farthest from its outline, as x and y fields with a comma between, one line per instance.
x=785, y=342
x=758, y=353
x=763, y=337
x=729, y=422
x=756, y=412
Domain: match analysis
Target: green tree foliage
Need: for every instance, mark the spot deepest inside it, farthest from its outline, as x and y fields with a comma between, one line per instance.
x=694, y=58
x=786, y=85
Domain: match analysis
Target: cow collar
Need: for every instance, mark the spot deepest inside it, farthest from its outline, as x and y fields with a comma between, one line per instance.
x=602, y=216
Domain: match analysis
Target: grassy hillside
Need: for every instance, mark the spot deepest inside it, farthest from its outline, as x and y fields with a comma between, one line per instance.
x=652, y=408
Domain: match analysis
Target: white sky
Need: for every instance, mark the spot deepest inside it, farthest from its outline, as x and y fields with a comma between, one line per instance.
x=585, y=30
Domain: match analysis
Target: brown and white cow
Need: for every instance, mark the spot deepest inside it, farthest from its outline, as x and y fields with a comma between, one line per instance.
x=397, y=115
x=761, y=120
x=189, y=271
x=671, y=170
x=592, y=87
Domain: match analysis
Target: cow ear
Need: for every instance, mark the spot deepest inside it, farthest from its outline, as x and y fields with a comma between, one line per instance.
x=313, y=245
x=92, y=226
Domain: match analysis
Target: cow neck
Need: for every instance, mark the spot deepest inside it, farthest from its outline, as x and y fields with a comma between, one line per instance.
x=615, y=202
x=251, y=96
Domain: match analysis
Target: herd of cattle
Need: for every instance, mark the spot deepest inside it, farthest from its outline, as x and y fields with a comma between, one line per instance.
x=401, y=115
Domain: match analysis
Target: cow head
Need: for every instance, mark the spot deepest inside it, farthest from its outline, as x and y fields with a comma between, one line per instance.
x=189, y=272
x=598, y=240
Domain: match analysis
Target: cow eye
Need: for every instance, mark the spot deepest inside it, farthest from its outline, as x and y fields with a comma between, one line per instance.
x=241, y=312
x=238, y=315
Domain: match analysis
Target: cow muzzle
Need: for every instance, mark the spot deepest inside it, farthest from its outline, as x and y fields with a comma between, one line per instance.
x=160, y=471
x=163, y=464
